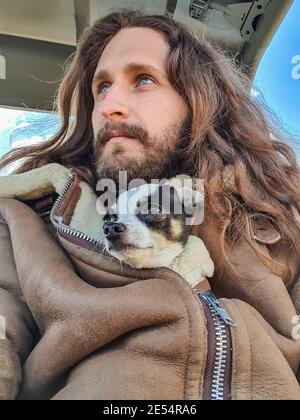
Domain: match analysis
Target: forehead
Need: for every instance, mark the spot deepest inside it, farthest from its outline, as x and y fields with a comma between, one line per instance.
x=153, y=194
x=134, y=45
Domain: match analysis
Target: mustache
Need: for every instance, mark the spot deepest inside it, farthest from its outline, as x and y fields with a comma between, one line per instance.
x=124, y=129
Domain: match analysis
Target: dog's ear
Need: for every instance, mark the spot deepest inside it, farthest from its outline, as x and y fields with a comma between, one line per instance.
x=105, y=204
x=192, y=200
x=191, y=195
x=188, y=192
x=100, y=207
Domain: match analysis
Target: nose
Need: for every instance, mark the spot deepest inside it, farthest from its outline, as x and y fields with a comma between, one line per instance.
x=113, y=231
x=114, y=106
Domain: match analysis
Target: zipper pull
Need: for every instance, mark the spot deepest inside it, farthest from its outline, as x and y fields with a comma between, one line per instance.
x=212, y=301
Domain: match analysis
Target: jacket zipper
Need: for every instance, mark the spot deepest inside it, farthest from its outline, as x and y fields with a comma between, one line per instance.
x=77, y=237
x=217, y=376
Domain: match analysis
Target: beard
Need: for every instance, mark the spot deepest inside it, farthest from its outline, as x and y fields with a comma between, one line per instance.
x=161, y=158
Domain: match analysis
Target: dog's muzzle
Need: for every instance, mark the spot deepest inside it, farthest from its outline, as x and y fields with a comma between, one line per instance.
x=113, y=230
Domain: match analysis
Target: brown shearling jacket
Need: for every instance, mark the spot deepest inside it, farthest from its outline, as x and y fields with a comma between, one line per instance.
x=81, y=326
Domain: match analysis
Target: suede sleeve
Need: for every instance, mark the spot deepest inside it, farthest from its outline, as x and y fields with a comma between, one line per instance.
x=18, y=330
x=295, y=292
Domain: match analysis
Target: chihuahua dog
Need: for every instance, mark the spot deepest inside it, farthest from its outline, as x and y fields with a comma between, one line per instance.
x=146, y=227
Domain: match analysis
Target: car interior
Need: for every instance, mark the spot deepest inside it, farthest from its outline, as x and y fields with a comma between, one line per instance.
x=38, y=36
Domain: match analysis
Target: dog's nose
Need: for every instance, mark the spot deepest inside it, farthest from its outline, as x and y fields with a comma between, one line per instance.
x=114, y=230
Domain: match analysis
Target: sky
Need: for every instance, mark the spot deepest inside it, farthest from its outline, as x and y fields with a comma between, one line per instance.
x=278, y=75
x=277, y=80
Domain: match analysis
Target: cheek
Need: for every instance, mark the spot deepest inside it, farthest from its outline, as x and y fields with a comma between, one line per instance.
x=160, y=241
x=161, y=110
x=179, y=107
x=173, y=108
x=97, y=121
x=94, y=121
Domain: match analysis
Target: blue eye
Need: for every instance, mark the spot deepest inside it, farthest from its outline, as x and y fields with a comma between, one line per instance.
x=101, y=87
x=143, y=77
x=142, y=80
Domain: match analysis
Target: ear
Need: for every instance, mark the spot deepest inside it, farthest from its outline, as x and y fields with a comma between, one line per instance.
x=100, y=207
x=190, y=193
x=192, y=200
x=105, y=202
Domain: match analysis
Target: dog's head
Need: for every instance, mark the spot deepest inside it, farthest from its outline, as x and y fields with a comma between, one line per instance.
x=147, y=226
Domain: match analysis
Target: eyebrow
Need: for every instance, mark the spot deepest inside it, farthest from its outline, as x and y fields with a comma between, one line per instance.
x=129, y=68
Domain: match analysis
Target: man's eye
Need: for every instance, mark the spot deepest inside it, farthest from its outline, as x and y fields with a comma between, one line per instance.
x=102, y=88
x=144, y=80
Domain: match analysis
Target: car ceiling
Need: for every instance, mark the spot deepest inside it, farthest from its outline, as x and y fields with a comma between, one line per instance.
x=37, y=36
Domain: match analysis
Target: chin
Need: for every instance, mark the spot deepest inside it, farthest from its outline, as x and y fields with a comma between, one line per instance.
x=136, y=258
x=122, y=162
x=148, y=257
x=136, y=151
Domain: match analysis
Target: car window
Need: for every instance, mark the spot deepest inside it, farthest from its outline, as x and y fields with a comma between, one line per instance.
x=277, y=82
x=277, y=78
x=18, y=127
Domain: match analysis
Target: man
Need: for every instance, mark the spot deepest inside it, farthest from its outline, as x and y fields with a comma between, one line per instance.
x=153, y=100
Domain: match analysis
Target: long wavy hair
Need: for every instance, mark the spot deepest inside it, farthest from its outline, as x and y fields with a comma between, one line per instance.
x=227, y=127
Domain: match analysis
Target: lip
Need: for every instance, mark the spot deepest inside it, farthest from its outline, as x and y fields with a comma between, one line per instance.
x=122, y=247
x=125, y=247
x=119, y=139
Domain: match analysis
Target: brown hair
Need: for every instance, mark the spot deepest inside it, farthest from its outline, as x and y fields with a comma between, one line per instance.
x=228, y=127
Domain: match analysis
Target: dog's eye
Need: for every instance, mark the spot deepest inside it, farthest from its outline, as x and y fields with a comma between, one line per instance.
x=155, y=207
x=155, y=210
x=110, y=217
x=148, y=208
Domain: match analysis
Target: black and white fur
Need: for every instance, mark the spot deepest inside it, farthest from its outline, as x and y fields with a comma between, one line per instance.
x=139, y=232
